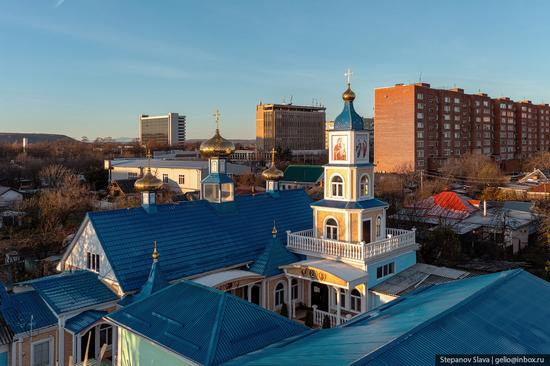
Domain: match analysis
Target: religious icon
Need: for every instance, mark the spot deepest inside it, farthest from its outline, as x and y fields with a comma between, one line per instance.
x=361, y=146
x=339, y=148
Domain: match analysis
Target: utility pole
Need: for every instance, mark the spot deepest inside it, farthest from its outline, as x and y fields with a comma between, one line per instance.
x=421, y=180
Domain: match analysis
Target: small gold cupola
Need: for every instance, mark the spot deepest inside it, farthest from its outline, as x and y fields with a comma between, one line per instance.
x=217, y=145
x=148, y=185
x=148, y=182
x=272, y=175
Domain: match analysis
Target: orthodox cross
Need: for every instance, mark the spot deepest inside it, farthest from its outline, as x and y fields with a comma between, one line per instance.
x=348, y=75
x=273, y=152
x=217, y=115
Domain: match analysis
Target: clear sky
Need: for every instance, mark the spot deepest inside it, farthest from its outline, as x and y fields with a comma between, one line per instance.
x=90, y=67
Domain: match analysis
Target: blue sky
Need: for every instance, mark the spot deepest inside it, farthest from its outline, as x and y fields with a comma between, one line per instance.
x=90, y=67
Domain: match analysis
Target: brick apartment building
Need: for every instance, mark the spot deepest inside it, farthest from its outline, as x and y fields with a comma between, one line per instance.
x=290, y=126
x=418, y=127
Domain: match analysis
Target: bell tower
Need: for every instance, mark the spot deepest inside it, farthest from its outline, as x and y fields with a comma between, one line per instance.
x=349, y=212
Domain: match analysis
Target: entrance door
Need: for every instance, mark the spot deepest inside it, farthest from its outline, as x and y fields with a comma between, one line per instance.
x=319, y=295
x=255, y=294
x=366, y=231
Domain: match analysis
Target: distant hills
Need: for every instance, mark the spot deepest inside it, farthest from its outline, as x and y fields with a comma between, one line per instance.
x=9, y=138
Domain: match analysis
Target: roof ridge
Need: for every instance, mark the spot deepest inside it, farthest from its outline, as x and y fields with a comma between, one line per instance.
x=392, y=343
x=213, y=346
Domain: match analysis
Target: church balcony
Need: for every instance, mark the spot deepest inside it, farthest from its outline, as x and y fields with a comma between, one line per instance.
x=304, y=242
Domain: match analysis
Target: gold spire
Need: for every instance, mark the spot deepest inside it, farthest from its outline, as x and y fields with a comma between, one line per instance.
x=274, y=230
x=272, y=173
x=148, y=182
x=348, y=95
x=155, y=253
x=217, y=145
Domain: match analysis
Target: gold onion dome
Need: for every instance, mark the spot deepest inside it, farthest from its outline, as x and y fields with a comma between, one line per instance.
x=348, y=95
x=217, y=145
x=148, y=182
x=272, y=173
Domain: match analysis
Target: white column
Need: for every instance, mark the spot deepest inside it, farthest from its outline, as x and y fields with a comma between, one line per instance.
x=249, y=292
x=114, y=347
x=78, y=348
x=364, y=299
x=289, y=288
x=338, y=306
x=61, y=342
x=263, y=301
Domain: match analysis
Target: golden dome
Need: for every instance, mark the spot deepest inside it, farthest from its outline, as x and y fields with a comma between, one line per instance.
x=348, y=95
x=148, y=182
x=217, y=145
x=272, y=173
x=155, y=253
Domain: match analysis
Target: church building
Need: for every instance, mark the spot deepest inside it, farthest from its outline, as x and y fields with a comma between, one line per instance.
x=277, y=249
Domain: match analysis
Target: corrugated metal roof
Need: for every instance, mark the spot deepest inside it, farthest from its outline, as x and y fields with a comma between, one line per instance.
x=70, y=291
x=155, y=282
x=505, y=312
x=82, y=321
x=303, y=173
x=203, y=324
x=18, y=308
x=197, y=236
x=274, y=255
x=418, y=275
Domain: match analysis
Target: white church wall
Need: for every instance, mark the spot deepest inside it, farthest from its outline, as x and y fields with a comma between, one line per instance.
x=87, y=241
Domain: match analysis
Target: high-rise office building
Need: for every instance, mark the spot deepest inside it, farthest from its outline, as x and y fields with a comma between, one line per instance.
x=290, y=126
x=163, y=130
x=418, y=127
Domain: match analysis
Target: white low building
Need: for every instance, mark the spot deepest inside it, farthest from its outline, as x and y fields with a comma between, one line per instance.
x=9, y=197
x=177, y=175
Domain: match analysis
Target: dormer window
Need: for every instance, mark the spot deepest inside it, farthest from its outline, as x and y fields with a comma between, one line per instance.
x=364, y=186
x=337, y=186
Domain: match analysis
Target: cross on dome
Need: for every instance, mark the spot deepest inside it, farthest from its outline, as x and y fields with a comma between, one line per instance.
x=217, y=115
x=348, y=75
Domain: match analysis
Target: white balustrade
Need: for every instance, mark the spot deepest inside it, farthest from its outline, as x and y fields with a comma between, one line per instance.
x=319, y=316
x=305, y=242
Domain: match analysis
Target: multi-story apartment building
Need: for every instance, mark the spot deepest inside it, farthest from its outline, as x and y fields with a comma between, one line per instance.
x=163, y=130
x=290, y=126
x=418, y=127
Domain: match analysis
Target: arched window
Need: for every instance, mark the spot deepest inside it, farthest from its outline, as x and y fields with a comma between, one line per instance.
x=355, y=299
x=331, y=229
x=337, y=186
x=279, y=294
x=378, y=226
x=364, y=185
x=295, y=289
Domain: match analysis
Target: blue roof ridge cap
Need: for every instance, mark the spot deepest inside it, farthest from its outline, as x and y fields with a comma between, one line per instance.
x=391, y=344
x=213, y=346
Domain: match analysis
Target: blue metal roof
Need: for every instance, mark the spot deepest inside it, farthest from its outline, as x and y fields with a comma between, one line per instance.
x=18, y=308
x=196, y=236
x=70, y=291
x=204, y=324
x=84, y=320
x=274, y=256
x=351, y=205
x=217, y=178
x=155, y=282
x=502, y=313
x=348, y=119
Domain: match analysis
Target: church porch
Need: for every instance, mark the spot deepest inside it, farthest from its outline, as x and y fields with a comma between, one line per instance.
x=335, y=290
